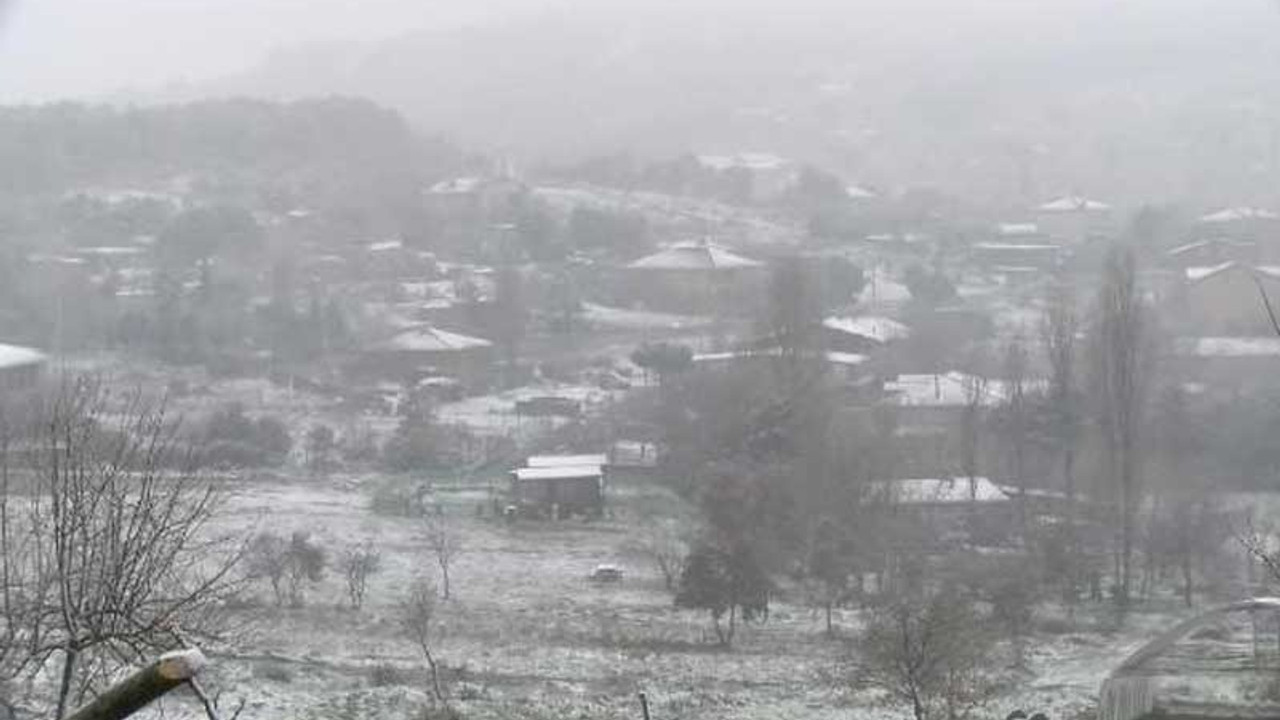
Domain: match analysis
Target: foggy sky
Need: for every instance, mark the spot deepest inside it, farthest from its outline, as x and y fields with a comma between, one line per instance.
x=67, y=48
x=60, y=48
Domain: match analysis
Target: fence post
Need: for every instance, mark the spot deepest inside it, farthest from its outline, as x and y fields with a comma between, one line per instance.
x=142, y=687
x=644, y=705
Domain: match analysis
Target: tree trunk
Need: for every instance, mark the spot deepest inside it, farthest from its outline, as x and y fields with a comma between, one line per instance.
x=142, y=687
x=444, y=580
x=733, y=622
x=1186, y=576
x=69, y=656
x=831, y=631
x=436, y=689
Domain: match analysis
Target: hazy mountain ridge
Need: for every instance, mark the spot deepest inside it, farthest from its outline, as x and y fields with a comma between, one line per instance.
x=868, y=92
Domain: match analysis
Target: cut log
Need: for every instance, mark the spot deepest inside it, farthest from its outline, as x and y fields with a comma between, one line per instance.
x=144, y=686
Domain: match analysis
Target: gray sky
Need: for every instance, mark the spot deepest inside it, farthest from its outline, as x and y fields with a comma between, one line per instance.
x=57, y=48
x=61, y=48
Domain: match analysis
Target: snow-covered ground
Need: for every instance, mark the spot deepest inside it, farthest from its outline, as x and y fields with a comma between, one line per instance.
x=527, y=636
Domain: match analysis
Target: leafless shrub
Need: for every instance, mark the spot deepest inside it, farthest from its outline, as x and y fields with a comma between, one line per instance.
x=358, y=564
x=929, y=654
x=445, y=543
x=417, y=618
x=289, y=565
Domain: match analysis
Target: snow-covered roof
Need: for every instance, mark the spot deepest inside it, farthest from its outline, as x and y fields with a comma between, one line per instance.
x=745, y=161
x=386, y=245
x=835, y=358
x=1236, y=214
x=561, y=472
x=456, y=186
x=1195, y=274
x=543, y=461
x=1190, y=247
x=697, y=255
x=939, y=491
x=431, y=339
x=1230, y=347
x=12, y=356
x=952, y=389
x=1074, y=203
x=1016, y=247
x=1009, y=229
x=878, y=329
x=112, y=250
x=857, y=192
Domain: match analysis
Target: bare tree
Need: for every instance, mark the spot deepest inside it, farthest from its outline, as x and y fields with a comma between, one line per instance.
x=267, y=559
x=110, y=548
x=929, y=654
x=1119, y=380
x=667, y=543
x=1058, y=334
x=971, y=419
x=358, y=564
x=445, y=543
x=417, y=617
x=1014, y=418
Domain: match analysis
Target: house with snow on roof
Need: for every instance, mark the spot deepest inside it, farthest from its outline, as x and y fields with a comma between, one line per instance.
x=420, y=351
x=695, y=277
x=459, y=208
x=1208, y=252
x=1017, y=249
x=1245, y=223
x=1228, y=366
x=1073, y=219
x=944, y=510
x=1223, y=300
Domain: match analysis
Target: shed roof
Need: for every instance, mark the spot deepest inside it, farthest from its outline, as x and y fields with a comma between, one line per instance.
x=570, y=472
x=543, y=461
x=696, y=256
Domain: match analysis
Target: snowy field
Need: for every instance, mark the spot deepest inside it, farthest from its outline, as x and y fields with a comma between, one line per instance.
x=527, y=636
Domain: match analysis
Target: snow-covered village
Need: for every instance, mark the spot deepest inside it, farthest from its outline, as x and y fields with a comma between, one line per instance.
x=577, y=361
